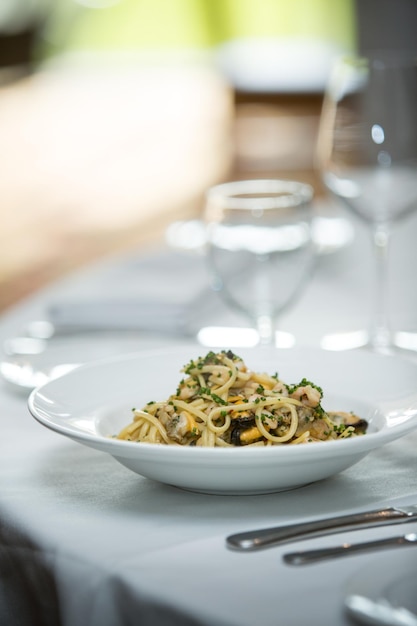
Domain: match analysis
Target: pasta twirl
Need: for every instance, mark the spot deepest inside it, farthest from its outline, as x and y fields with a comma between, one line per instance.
x=222, y=403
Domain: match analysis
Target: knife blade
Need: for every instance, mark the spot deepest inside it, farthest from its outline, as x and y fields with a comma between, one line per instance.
x=267, y=537
x=305, y=557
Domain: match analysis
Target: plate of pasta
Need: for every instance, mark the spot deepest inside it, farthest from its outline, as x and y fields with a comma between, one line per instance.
x=258, y=421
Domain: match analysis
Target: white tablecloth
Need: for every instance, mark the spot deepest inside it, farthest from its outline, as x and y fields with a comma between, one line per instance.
x=85, y=541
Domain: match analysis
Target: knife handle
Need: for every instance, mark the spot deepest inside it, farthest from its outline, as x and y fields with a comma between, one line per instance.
x=256, y=539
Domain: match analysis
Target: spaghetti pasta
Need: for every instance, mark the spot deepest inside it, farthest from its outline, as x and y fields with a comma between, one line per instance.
x=221, y=403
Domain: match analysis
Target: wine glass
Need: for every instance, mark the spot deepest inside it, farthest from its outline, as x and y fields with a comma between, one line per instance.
x=367, y=153
x=259, y=246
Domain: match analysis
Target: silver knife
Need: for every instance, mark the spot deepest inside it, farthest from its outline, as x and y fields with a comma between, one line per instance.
x=304, y=557
x=267, y=537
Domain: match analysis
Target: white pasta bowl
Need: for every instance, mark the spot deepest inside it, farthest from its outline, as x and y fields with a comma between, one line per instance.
x=94, y=402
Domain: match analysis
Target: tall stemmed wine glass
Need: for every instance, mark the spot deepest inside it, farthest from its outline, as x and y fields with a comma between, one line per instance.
x=259, y=246
x=367, y=152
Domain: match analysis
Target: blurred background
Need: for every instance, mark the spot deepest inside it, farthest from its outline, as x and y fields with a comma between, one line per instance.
x=116, y=115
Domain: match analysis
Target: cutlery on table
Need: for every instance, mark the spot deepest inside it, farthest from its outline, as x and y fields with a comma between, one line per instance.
x=267, y=537
x=378, y=612
x=77, y=331
x=71, y=316
x=304, y=557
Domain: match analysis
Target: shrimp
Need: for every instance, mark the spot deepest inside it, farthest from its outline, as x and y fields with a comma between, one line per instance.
x=187, y=389
x=308, y=395
x=281, y=388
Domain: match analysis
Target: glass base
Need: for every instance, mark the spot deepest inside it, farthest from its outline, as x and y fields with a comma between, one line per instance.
x=235, y=337
x=400, y=341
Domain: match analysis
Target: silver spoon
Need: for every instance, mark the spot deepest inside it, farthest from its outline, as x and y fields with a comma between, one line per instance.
x=29, y=362
x=378, y=612
x=305, y=557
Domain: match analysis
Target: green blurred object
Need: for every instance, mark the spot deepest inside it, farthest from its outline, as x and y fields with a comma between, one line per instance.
x=84, y=25
x=323, y=19
x=256, y=45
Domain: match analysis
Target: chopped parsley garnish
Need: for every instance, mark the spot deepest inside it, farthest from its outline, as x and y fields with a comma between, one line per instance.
x=211, y=358
x=206, y=391
x=304, y=383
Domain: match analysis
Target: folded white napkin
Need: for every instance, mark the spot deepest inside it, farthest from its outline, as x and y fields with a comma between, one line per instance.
x=110, y=314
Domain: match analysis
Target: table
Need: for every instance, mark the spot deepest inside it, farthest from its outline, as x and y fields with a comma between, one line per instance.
x=84, y=541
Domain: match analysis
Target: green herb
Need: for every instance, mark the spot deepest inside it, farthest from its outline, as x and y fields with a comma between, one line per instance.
x=319, y=411
x=218, y=399
x=304, y=383
x=206, y=391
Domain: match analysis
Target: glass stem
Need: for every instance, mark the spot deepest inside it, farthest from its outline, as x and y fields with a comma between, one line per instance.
x=380, y=335
x=266, y=330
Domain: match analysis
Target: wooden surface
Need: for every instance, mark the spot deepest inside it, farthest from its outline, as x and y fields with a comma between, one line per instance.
x=95, y=161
